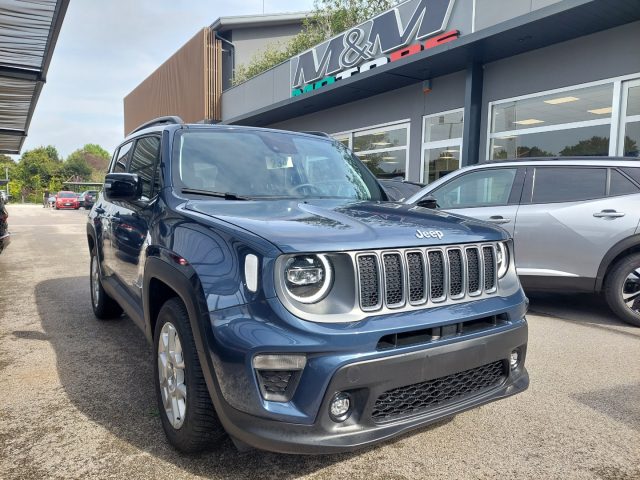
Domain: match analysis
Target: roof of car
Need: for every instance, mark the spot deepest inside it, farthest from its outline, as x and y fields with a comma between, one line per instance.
x=174, y=123
x=590, y=158
x=567, y=161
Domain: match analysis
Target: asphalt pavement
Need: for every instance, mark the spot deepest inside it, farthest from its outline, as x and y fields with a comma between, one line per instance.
x=77, y=395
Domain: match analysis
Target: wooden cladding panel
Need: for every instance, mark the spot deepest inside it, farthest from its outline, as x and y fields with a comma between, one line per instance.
x=188, y=84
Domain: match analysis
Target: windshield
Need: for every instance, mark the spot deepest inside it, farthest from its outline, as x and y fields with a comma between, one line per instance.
x=66, y=194
x=270, y=164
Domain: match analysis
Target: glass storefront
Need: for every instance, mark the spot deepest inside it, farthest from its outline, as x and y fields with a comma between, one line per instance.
x=631, y=125
x=441, y=144
x=569, y=123
x=383, y=149
x=594, y=120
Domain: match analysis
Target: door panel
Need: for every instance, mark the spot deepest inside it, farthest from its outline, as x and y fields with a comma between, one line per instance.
x=490, y=194
x=570, y=238
x=130, y=220
x=119, y=163
x=502, y=216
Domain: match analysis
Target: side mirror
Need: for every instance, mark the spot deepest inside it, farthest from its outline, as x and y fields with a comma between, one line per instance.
x=122, y=186
x=428, y=202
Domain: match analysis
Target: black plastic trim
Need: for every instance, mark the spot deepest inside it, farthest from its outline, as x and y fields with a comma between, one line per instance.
x=557, y=284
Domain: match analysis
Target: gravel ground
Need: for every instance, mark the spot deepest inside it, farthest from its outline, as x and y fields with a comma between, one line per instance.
x=77, y=394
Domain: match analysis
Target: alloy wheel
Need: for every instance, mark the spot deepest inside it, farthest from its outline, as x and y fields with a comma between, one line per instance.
x=171, y=370
x=631, y=291
x=95, y=281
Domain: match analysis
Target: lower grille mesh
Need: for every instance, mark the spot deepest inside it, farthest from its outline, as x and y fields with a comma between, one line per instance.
x=420, y=397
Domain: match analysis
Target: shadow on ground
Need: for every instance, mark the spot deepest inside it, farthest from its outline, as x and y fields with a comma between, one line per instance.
x=106, y=371
x=588, y=309
x=615, y=403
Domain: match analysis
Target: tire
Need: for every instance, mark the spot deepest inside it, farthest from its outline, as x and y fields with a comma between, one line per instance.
x=622, y=289
x=195, y=427
x=104, y=307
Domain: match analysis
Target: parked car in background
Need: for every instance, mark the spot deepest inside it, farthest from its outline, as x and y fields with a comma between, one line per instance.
x=66, y=199
x=87, y=198
x=575, y=221
x=288, y=302
x=398, y=189
x=5, y=236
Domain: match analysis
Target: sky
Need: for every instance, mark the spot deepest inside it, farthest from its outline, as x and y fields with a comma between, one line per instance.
x=105, y=49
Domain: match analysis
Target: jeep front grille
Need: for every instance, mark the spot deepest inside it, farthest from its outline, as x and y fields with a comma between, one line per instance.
x=397, y=278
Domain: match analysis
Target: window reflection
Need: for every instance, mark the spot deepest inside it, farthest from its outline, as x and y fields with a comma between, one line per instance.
x=633, y=101
x=443, y=127
x=579, y=105
x=632, y=140
x=386, y=164
x=586, y=141
x=441, y=161
x=381, y=139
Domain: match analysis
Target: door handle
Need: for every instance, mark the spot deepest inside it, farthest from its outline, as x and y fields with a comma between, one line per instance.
x=498, y=219
x=608, y=213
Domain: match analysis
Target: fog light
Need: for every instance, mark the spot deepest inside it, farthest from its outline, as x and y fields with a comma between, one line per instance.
x=340, y=407
x=514, y=359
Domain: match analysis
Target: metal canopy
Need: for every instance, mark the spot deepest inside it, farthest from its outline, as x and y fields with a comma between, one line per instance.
x=556, y=23
x=28, y=33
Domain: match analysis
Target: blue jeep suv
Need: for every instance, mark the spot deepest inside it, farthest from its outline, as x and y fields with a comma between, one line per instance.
x=289, y=304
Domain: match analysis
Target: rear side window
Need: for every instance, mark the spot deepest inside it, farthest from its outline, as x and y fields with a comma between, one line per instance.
x=143, y=162
x=568, y=184
x=633, y=172
x=122, y=156
x=621, y=185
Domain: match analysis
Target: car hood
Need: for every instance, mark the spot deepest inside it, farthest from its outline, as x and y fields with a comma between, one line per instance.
x=317, y=225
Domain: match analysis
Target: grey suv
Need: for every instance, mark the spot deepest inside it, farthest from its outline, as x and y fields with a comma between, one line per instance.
x=575, y=221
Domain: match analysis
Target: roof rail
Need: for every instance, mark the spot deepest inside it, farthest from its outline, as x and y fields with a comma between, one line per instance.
x=318, y=134
x=170, y=120
x=563, y=159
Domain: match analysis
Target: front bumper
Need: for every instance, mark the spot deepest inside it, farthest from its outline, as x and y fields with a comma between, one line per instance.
x=366, y=380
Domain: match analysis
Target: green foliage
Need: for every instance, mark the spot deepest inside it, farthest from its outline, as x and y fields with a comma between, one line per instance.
x=328, y=18
x=89, y=162
x=42, y=169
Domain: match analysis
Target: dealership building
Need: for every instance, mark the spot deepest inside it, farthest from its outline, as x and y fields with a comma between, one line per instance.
x=427, y=86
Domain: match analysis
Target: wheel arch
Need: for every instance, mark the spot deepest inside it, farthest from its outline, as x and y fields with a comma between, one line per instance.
x=621, y=249
x=162, y=281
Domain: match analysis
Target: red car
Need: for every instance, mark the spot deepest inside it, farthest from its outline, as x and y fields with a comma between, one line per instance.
x=67, y=200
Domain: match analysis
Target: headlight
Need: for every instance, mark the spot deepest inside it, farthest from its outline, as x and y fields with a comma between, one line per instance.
x=308, y=277
x=502, y=259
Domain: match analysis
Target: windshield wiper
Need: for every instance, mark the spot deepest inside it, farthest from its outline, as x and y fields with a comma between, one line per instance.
x=209, y=193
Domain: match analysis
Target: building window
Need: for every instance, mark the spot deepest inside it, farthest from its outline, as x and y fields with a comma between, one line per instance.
x=344, y=139
x=384, y=149
x=630, y=125
x=567, y=123
x=441, y=144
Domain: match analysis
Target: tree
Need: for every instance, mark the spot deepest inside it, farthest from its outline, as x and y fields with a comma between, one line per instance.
x=89, y=162
x=593, y=146
x=329, y=17
x=34, y=172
